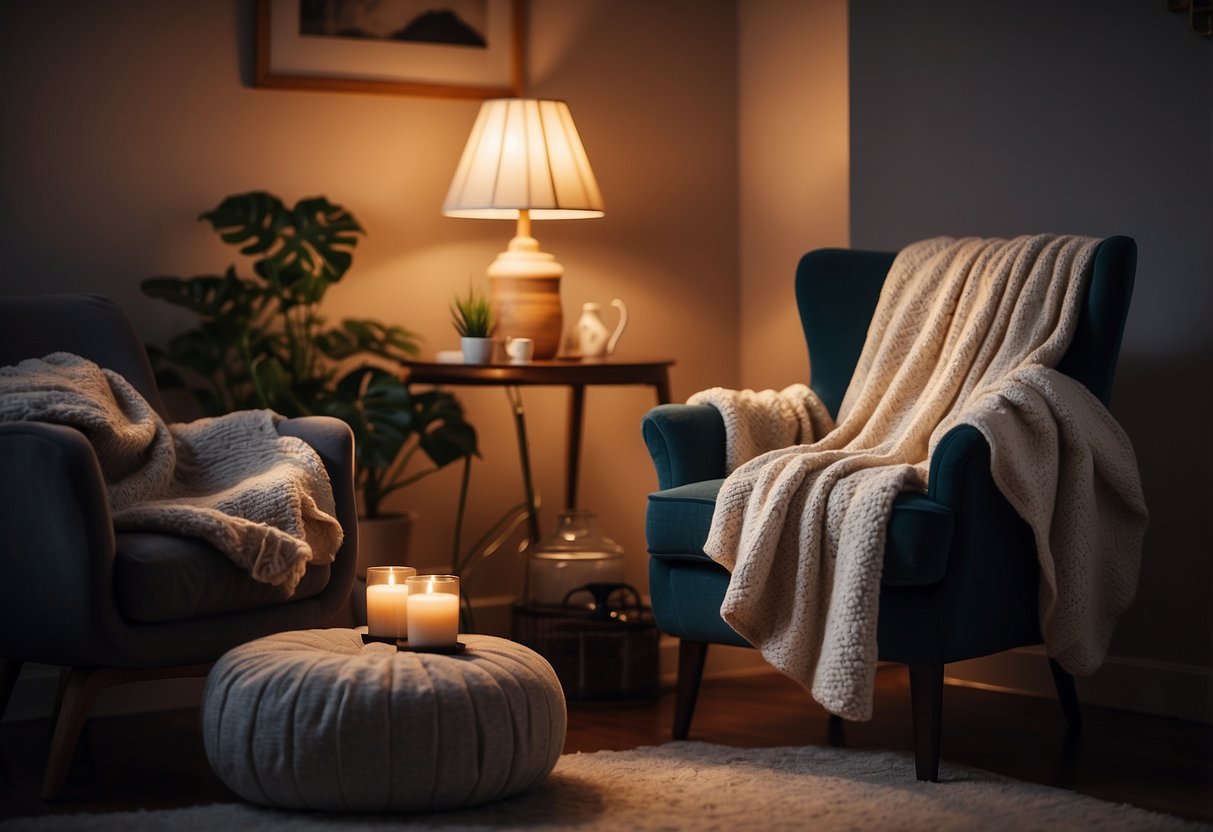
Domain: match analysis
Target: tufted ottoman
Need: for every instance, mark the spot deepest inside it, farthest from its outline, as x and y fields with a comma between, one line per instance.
x=315, y=719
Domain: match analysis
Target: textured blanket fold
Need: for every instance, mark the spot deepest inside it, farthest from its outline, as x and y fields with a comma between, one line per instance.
x=758, y=421
x=262, y=499
x=964, y=333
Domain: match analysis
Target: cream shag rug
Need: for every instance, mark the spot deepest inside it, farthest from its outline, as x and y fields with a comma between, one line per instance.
x=699, y=786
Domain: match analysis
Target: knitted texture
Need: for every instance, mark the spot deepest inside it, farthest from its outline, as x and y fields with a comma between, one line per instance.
x=262, y=499
x=757, y=421
x=1069, y=470
x=963, y=334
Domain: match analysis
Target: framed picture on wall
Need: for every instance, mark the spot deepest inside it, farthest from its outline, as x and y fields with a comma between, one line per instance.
x=452, y=48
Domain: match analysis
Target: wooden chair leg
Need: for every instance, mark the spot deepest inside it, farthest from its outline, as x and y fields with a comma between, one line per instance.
x=836, y=732
x=81, y=688
x=65, y=673
x=926, y=702
x=1068, y=696
x=691, y=657
x=10, y=669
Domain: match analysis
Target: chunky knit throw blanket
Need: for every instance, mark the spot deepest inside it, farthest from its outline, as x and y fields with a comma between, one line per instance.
x=262, y=499
x=965, y=332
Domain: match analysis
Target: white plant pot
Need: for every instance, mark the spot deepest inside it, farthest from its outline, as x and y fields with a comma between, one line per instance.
x=476, y=350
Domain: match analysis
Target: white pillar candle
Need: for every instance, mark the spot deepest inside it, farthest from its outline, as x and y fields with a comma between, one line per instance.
x=387, y=601
x=387, y=610
x=433, y=611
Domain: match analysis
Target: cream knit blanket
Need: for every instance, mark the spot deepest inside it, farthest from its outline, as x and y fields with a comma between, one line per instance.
x=965, y=333
x=262, y=499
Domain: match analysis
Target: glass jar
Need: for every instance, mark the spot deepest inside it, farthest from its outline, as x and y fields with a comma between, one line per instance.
x=574, y=555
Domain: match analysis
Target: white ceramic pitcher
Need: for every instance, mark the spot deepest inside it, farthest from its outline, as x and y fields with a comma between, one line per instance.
x=594, y=339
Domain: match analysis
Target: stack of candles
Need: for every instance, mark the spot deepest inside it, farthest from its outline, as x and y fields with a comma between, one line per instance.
x=424, y=609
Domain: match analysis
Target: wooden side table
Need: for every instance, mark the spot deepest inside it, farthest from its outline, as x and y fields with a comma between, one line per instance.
x=574, y=374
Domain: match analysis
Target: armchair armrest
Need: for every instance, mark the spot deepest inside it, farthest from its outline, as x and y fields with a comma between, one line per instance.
x=985, y=600
x=961, y=454
x=686, y=443
x=334, y=441
x=58, y=551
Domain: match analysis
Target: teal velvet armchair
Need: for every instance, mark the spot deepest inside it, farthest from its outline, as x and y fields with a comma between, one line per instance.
x=960, y=575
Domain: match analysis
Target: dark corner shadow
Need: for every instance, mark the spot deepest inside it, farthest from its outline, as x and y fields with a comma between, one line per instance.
x=1175, y=390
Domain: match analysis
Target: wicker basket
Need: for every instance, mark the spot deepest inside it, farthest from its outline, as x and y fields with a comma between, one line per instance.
x=603, y=651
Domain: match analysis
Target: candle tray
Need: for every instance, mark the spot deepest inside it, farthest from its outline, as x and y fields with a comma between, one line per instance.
x=402, y=644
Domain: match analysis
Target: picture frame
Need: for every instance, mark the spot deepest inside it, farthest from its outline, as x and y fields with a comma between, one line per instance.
x=288, y=58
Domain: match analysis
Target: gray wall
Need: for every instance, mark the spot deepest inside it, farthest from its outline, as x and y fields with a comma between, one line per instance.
x=1095, y=117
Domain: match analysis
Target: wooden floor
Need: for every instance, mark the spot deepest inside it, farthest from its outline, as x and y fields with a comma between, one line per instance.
x=156, y=760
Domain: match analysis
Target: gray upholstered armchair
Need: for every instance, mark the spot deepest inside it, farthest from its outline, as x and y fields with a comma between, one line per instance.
x=112, y=608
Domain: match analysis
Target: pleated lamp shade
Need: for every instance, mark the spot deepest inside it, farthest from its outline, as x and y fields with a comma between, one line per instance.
x=524, y=153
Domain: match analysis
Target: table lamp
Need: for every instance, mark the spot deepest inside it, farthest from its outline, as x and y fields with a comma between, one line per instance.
x=524, y=161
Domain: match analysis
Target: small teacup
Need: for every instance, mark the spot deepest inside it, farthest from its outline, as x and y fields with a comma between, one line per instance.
x=520, y=350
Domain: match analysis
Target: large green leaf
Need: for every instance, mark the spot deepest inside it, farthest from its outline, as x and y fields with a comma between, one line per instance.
x=209, y=296
x=303, y=249
x=377, y=406
x=274, y=387
x=366, y=337
x=198, y=350
x=328, y=231
x=448, y=442
x=442, y=431
x=254, y=221
x=262, y=342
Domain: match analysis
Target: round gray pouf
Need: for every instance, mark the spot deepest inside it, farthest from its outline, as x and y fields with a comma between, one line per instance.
x=315, y=719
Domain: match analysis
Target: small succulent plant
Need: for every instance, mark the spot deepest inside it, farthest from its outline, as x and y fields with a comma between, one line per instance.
x=472, y=315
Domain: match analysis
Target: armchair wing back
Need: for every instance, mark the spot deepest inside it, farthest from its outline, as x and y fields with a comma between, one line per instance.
x=837, y=291
x=87, y=325
x=960, y=575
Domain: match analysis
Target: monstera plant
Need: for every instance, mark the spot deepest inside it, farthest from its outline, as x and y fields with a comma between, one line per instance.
x=262, y=342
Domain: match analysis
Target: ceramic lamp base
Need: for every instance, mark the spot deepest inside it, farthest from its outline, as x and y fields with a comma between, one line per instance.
x=524, y=288
x=529, y=307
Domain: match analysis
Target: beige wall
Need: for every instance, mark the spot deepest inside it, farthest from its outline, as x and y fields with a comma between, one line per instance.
x=794, y=169
x=125, y=120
